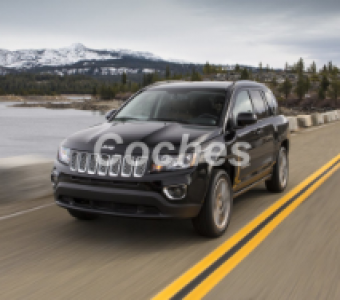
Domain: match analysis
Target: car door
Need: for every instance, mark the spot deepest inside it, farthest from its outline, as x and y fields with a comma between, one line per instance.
x=241, y=103
x=264, y=132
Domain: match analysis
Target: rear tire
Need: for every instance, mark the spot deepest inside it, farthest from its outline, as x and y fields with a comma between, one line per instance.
x=215, y=214
x=82, y=216
x=279, y=179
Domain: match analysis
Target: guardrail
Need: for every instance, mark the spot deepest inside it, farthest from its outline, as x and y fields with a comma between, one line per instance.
x=316, y=119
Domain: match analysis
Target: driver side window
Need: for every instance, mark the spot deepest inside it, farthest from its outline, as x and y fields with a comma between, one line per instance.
x=242, y=105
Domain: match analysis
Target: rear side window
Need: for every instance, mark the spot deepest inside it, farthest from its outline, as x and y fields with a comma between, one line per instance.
x=272, y=103
x=259, y=104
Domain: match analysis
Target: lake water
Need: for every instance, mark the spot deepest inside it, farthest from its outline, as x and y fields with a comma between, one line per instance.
x=39, y=130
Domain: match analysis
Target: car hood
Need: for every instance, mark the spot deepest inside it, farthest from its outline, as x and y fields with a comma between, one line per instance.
x=150, y=133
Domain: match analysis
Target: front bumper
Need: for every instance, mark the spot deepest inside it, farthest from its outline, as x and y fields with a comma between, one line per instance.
x=130, y=198
x=121, y=202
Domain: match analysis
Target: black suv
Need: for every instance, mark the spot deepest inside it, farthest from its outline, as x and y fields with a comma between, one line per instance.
x=176, y=150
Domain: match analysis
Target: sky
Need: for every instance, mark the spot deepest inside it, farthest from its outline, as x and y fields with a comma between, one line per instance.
x=219, y=31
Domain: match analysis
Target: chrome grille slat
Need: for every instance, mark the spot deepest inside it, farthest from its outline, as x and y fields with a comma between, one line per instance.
x=115, y=165
x=140, y=166
x=93, y=162
x=74, y=161
x=82, y=162
x=103, y=164
x=127, y=168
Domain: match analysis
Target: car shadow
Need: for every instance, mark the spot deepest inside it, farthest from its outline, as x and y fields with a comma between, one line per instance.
x=155, y=235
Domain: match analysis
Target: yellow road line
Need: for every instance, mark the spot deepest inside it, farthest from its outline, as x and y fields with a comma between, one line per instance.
x=209, y=283
x=193, y=272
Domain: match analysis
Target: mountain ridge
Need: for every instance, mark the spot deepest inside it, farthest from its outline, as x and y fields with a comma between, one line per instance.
x=32, y=58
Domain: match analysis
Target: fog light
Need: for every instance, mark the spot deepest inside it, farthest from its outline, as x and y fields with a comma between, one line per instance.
x=175, y=192
x=54, y=177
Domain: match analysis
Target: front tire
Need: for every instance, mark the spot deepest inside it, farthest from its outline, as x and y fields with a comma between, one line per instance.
x=215, y=214
x=279, y=179
x=82, y=216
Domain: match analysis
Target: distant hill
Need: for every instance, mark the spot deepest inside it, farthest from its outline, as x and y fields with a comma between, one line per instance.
x=80, y=60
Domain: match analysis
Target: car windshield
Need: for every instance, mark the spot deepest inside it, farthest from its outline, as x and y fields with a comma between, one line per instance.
x=186, y=105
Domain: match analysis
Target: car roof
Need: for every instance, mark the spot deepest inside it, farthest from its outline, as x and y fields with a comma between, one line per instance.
x=248, y=83
x=223, y=85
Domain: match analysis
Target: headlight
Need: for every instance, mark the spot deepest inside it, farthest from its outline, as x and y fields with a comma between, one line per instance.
x=64, y=155
x=171, y=162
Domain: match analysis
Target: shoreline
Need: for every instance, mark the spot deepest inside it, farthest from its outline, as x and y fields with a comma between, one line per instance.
x=83, y=102
x=79, y=102
x=80, y=105
x=37, y=98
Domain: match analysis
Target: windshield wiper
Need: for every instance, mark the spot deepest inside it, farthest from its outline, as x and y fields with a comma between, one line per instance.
x=169, y=120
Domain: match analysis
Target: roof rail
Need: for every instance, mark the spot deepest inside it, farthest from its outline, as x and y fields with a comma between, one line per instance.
x=165, y=81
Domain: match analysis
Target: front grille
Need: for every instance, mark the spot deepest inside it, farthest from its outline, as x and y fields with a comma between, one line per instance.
x=108, y=165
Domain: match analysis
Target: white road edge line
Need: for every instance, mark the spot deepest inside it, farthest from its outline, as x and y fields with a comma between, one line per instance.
x=25, y=211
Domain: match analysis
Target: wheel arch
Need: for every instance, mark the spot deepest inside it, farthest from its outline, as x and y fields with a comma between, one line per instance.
x=229, y=169
x=285, y=144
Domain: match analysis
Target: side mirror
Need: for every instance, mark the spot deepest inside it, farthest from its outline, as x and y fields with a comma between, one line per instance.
x=109, y=114
x=244, y=119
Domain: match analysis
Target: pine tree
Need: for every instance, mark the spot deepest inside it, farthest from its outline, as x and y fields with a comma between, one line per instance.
x=324, y=83
x=334, y=90
x=321, y=94
x=94, y=91
x=250, y=72
x=307, y=84
x=335, y=71
x=195, y=76
x=286, y=88
x=124, y=78
x=267, y=68
x=324, y=70
x=300, y=87
x=323, y=87
x=300, y=66
x=244, y=74
x=313, y=68
x=167, y=72
x=330, y=67
x=207, y=68
x=274, y=82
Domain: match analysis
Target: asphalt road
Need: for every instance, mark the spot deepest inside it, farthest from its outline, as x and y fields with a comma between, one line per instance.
x=45, y=254
x=299, y=260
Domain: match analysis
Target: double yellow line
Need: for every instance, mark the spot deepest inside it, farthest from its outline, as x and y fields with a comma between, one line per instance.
x=206, y=274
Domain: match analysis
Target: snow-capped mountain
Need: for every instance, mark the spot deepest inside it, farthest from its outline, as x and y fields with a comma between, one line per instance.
x=27, y=59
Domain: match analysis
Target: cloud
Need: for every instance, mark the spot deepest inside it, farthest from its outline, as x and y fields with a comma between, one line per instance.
x=220, y=31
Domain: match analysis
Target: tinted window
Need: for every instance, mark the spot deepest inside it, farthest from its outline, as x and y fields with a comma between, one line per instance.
x=186, y=105
x=242, y=104
x=271, y=100
x=259, y=104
